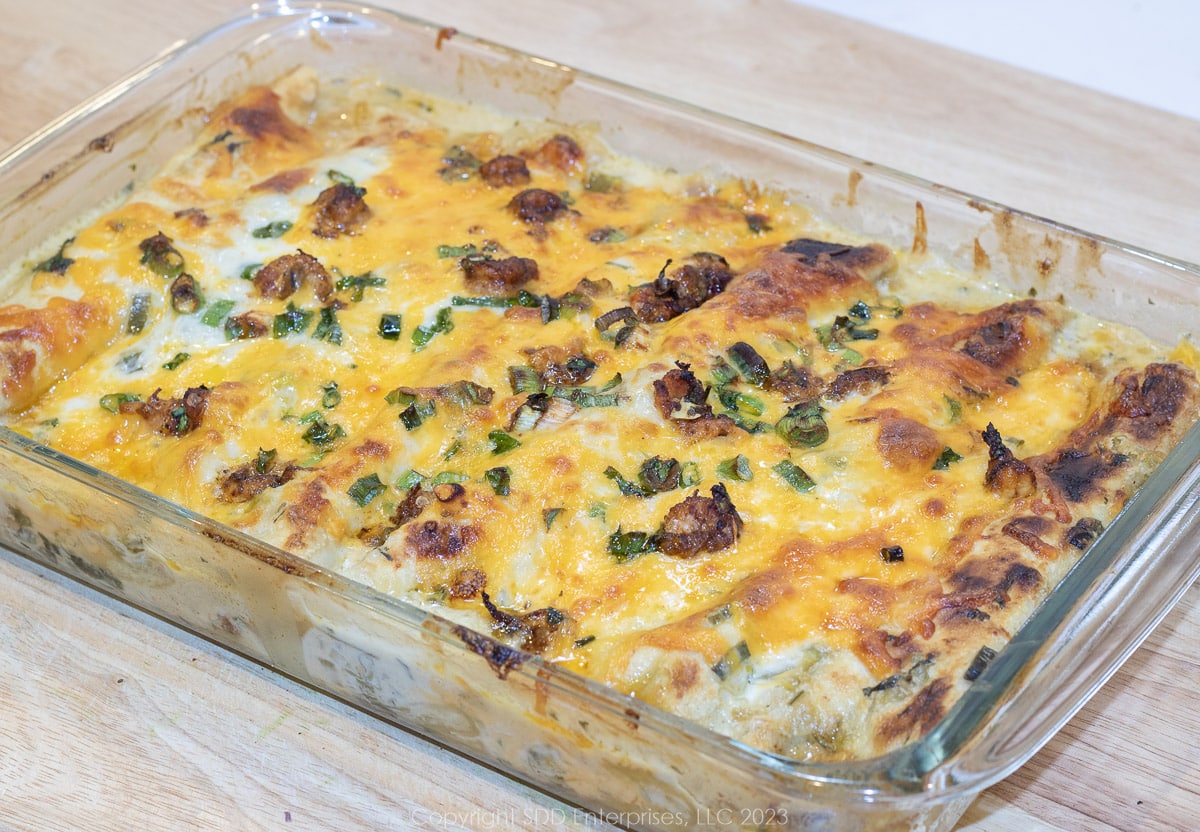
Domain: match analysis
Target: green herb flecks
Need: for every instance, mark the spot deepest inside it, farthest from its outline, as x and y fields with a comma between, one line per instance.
x=322, y=434
x=501, y=442
x=946, y=458
x=803, y=426
x=290, y=321
x=442, y=324
x=272, y=230
x=216, y=312
x=112, y=402
x=736, y=469
x=626, y=546
x=366, y=489
x=59, y=262
x=174, y=363
x=500, y=479
x=328, y=328
x=160, y=255
x=139, y=312
x=794, y=475
x=357, y=283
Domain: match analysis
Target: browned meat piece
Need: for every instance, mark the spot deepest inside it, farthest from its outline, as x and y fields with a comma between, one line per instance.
x=537, y=206
x=534, y=631
x=1156, y=399
x=340, y=209
x=467, y=584
x=682, y=399
x=861, y=380
x=556, y=364
x=561, y=152
x=795, y=384
x=498, y=277
x=414, y=502
x=195, y=216
x=173, y=417
x=700, y=524
x=1006, y=475
x=251, y=479
x=284, y=275
x=243, y=327
x=505, y=170
x=704, y=276
x=434, y=540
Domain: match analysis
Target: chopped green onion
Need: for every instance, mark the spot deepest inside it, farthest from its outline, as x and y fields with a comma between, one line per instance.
x=740, y=402
x=399, y=397
x=459, y=163
x=625, y=546
x=955, y=408
x=502, y=442
x=448, y=477
x=130, y=362
x=321, y=433
x=264, y=460
x=723, y=613
x=339, y=178
x=113, y=401
x=161, y=256
x=444, y=252
x=389, y=327
x=58, y=263
x=946, y=458
x=803, y=426
x=734, y=658
x=249, y=271
x=852, y=357
x=366, y=489
x=422, y=335
x=330, y=395
x=550, y=515
x=658, y=475
x=241, y=328
x=794, y=475
x=861, y=311
x=174, y=363
x=723, y=373
x=410, y=479
x=359, y=282
x=585, y=396
x=310, y=417
x=524, y=379
x=499, y=478
x=601, y=183
x=216, y=312
x=749, y=364
x=629, y=489
x=328, y=328
x=291, y=320
x=736, y=469
x=272, y=230
x=139, y=311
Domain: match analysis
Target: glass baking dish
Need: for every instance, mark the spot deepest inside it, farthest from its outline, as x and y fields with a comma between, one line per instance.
x=579, y=740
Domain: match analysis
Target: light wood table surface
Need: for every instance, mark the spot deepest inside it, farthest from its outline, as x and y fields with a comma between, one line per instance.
x=110, y=720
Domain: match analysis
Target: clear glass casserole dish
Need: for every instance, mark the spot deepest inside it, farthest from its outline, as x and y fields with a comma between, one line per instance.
x=402, y=663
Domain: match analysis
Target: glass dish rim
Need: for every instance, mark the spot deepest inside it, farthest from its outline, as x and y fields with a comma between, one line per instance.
x=867, y=783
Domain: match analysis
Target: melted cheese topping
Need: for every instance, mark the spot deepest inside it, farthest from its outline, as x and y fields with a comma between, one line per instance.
x=391, y=470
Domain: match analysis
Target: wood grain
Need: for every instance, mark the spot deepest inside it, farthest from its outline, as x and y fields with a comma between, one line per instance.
x=110, y=720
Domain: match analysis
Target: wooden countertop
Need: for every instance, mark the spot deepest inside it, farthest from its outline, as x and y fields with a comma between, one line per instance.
x=111, y=720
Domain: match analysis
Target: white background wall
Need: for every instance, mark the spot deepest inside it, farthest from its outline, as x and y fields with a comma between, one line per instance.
x=1144, y=50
